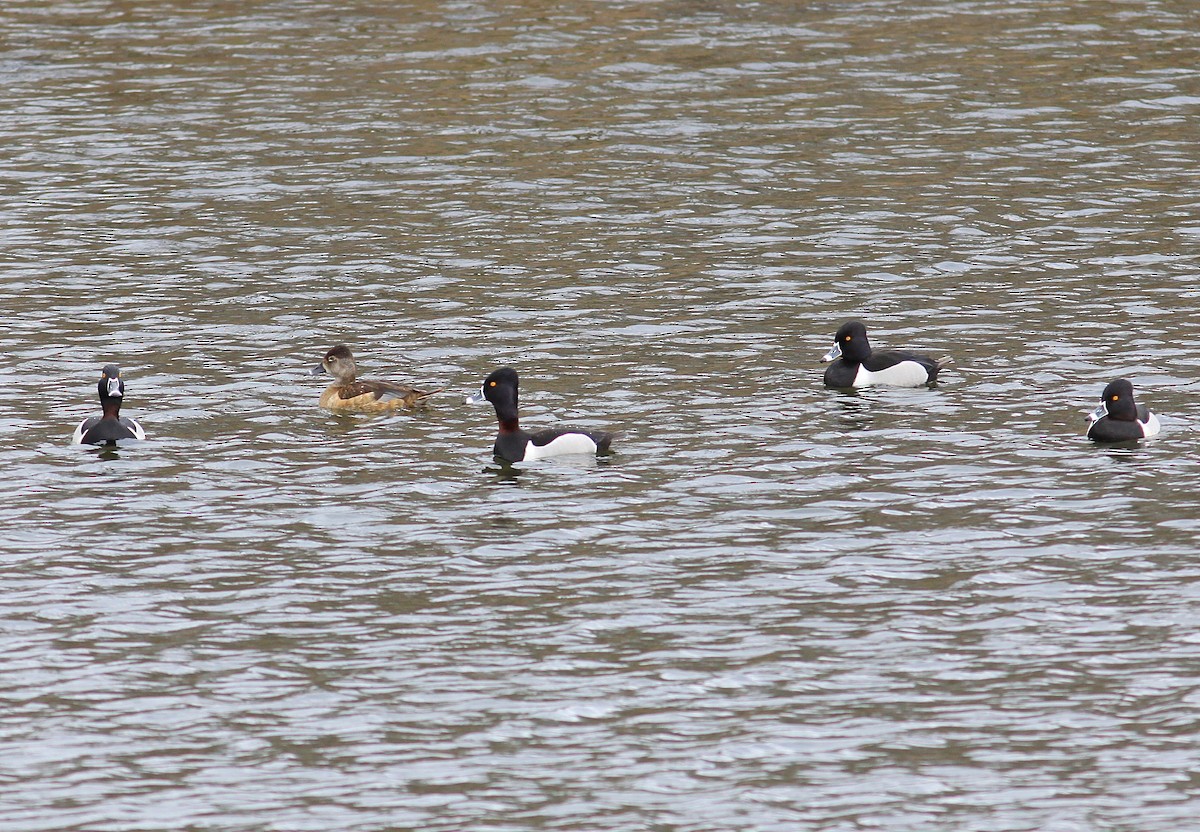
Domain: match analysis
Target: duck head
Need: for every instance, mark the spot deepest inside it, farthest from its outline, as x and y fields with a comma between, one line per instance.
x=339, y=363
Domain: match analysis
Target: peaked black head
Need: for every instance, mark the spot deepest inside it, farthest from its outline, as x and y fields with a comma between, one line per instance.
x=111, y=388
x=1117, y=400
x=501, y=385
x=500, y=388
x=850, y=343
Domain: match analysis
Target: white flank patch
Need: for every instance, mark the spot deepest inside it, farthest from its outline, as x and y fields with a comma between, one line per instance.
x=77, y=437
x=1150, y=427
x=568, y=443
x=136, y=427
x=904, y=374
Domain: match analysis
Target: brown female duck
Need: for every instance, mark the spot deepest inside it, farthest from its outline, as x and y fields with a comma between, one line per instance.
x=348, y=394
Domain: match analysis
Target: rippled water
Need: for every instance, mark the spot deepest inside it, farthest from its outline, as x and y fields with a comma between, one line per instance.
x=777, y=607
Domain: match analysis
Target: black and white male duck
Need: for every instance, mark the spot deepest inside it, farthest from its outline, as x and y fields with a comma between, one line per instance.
x=855, y=364
x=110, y=426
x=516, y=445
x=1118, y=418
x=347, y=393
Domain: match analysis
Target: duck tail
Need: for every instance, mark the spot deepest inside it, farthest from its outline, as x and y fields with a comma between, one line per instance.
x=944, y=361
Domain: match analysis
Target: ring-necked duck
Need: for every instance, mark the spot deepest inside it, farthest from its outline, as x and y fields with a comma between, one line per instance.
x=111, y=426
x=364, y=396
x=855, y=364
x=1119, y=418
x=514, y=444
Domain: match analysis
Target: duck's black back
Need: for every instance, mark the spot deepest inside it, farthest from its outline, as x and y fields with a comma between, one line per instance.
x=882, y=359
x=548, y=435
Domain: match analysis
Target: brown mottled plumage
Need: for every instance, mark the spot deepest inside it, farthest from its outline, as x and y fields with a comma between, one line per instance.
x=347, y=393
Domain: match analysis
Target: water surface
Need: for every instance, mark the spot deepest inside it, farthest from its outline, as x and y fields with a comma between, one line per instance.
x=777, y=606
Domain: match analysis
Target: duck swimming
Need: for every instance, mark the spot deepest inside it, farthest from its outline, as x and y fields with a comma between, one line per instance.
x=855, y=364
x=346, y=393
x=1118, y=418
x=109, y=427
x=516, y=445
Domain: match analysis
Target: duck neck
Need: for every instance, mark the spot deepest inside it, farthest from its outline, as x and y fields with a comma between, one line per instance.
x=111, y=408
x=506, y=414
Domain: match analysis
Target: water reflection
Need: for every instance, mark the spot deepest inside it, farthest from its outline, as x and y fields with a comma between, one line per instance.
x=854, y=411
x=505, y=472
x=1123, y=451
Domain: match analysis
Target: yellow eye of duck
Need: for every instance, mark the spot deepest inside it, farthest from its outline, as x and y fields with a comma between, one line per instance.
x=1116, y=397
x=491, y=384
x=848, y=337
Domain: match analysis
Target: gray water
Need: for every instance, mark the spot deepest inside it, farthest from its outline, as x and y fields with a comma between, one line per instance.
x=777, y=606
